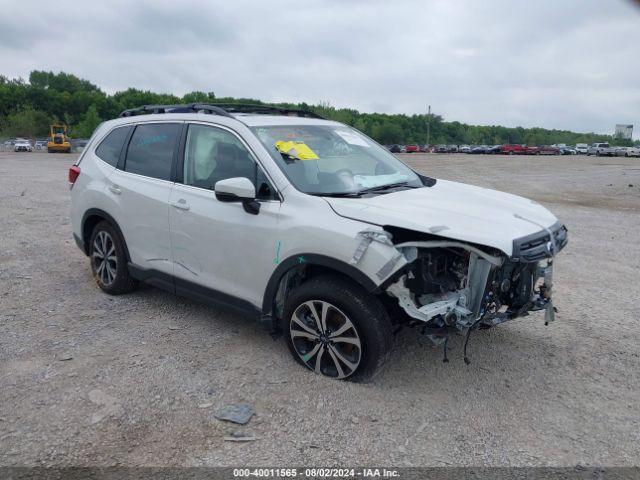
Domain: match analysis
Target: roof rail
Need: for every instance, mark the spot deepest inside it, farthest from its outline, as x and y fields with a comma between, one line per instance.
x=180, y=108
x=223, y=109
x=262, y=109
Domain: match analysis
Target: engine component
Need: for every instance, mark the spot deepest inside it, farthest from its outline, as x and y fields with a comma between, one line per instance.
x=437, y=271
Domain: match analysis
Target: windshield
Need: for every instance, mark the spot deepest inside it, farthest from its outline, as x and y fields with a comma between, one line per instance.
x=333, y=160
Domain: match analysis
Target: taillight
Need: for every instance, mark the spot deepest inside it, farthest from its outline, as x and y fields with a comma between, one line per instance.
x=74, y=173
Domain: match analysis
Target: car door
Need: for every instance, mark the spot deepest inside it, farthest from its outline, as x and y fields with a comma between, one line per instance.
x=219, y=249
x=141, y=186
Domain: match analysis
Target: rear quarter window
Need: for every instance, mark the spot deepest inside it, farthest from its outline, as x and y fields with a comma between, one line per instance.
x=151, y=149
x=110, y=148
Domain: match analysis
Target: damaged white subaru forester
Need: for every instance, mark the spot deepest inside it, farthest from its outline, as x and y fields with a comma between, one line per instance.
x=308, y=226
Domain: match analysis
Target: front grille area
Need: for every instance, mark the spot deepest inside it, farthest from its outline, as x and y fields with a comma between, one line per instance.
x=538, y=246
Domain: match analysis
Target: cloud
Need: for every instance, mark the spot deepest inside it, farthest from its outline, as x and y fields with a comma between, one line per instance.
x=570, y=64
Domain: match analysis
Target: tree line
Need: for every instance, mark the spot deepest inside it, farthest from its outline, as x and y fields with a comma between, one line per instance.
x=28, y=107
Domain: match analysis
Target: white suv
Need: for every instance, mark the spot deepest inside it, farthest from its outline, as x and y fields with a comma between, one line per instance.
x=308, y=226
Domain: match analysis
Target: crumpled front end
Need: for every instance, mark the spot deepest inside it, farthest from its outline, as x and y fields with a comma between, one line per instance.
x=449, y=286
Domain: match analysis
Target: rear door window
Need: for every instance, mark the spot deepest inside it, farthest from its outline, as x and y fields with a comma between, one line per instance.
x=110, y=148
x=152, y=148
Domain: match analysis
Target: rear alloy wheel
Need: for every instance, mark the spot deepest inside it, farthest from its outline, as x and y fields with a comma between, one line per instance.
x=109, y=260
x=325, y=339
x=104, y=259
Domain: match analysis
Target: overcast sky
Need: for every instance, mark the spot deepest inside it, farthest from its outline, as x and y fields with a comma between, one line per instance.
x=571, y=64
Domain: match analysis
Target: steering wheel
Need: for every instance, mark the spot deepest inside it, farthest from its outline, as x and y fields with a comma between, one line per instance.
x=345, y=176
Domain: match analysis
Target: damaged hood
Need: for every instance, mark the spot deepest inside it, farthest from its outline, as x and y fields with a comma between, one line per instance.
x=452, y=210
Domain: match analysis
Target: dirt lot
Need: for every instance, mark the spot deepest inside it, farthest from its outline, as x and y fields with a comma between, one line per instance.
x=88, y=379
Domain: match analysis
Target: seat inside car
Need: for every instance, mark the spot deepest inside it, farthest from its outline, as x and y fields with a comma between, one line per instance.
x=231, y=161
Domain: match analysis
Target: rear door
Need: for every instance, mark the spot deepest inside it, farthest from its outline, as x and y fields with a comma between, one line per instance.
x=141, y=186
x=217, y=245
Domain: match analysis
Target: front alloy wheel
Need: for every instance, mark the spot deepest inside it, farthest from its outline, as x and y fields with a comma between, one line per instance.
x=325, y=339
x=103, y=256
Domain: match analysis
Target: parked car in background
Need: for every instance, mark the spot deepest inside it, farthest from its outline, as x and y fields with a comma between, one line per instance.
x=464, y=149
x=478, y=149
x=547, y=150
x=628, y=152
x=601, y=149
x=395, y=148
x=40, y=145
x=452, y=148
x=442, y=149
x=425, y=148
x=494, y=149
x=568, y=151
x=22, y=145
x=513, y=149
x=78, y=145
x=582, y=148
x=412, y=148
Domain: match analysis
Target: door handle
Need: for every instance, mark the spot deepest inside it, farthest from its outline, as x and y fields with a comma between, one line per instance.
x=115, y=189
x=181, y=204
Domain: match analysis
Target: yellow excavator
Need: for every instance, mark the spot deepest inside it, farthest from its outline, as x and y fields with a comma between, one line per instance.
x=58, y=139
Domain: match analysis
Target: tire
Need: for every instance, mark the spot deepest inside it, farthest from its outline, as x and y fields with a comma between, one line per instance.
x=111, y=275
x=355, y=316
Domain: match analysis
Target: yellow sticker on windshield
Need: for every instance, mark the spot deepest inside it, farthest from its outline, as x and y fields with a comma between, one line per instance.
x=297, y=150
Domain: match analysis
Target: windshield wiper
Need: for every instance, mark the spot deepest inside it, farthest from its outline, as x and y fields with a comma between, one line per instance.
x=335, y=194
x=384, y=187
x=359, y=193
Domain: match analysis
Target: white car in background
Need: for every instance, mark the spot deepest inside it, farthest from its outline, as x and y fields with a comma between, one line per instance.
x=628, y=152
x=601, y=149
x=582, y=148
x=307, y=225
x=22, y=145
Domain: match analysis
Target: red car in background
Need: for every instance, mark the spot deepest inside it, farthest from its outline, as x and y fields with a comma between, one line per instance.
x=532, y=150
x=548, y=150
x=413, y=148
x=513, y=149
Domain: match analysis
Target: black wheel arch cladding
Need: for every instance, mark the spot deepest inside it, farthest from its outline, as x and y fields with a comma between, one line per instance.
x=311, y=259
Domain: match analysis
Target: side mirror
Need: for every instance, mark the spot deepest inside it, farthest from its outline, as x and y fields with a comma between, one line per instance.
x=238, y=189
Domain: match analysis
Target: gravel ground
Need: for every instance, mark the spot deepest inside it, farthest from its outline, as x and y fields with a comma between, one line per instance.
x=88, y=379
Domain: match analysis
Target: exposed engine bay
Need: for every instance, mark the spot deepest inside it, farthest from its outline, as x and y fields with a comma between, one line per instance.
x=449, y=286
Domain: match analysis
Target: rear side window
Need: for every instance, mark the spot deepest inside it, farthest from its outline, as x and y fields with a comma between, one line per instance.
x=109, y=149
x=151, y=149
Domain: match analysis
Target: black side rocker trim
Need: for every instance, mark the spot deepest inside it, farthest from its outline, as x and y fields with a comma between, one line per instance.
x=196, y=292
